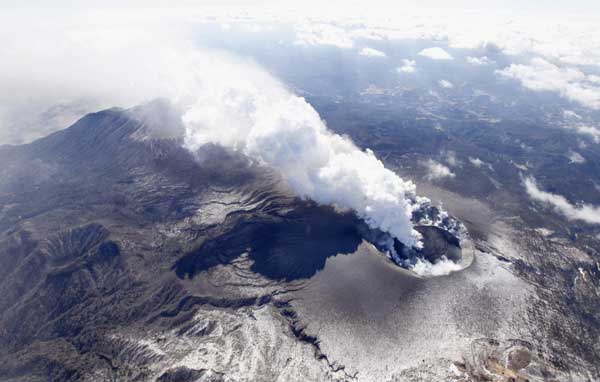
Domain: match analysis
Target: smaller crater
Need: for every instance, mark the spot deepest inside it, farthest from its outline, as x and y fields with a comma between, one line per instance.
x=519, y=359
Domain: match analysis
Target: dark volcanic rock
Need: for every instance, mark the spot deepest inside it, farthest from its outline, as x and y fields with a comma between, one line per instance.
x=438, y=242
x=81, y=252
x=181, y=374
x=125, y=257
x=97, y=220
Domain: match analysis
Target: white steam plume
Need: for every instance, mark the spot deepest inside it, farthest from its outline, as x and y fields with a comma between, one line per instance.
x=222, y=99
x=250, y=111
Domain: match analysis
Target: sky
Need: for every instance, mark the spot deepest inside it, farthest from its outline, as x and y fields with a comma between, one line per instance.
x=315, y=5
x=55, y=50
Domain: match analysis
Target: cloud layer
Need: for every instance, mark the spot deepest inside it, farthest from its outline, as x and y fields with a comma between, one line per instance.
x=571, y=83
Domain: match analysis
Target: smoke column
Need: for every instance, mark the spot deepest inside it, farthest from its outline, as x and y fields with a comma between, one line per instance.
x=222, y=98
x=244, y=108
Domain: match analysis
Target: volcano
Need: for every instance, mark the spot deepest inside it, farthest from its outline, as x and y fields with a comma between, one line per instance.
x=126, y=256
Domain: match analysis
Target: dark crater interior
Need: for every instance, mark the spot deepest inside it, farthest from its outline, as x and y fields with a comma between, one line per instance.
x=437, y=243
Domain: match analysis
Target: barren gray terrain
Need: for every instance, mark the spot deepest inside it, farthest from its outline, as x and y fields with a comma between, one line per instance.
x=126, y=257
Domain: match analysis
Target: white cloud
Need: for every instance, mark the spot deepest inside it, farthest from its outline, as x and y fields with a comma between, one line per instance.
x=323, y=34
x=479, y=61
x=445, y=84
x=451, y=159
x=436, y=170
x=410, y=66
x=522, y=167
x=541, y=75
x=568, y=38
x=544, y=231
x=479, y=163
x=585, y=130
x=570, y=114
x=575, y=157
x=476, y=162
x=373, y=90
x=574, y=122
x=590, y=131
x=594, y=79
x=436, y=53
x=584, y=212
x=370, y=52
x=54, y=71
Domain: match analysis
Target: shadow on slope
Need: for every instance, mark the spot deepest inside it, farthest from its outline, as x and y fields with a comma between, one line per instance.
x=295, y=247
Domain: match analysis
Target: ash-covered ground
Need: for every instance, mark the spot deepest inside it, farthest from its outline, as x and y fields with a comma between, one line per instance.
x=126, y=257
